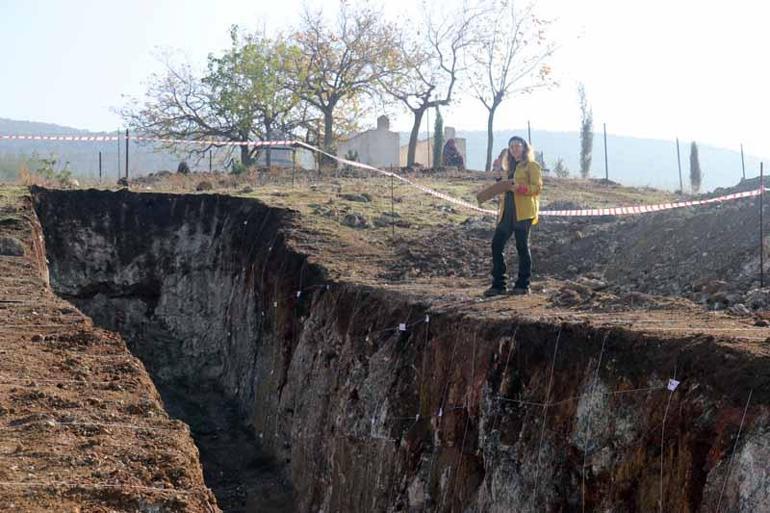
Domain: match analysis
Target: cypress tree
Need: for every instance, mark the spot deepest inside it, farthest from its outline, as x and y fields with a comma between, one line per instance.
x=696, y=175
x=438, y=140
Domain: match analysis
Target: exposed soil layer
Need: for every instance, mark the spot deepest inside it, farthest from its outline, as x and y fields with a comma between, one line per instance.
x=350, y=397
x=82, y=427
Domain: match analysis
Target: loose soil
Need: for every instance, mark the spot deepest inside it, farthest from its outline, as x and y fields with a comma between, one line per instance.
x=82, y=427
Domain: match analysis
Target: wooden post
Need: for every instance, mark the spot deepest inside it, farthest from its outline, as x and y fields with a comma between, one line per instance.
x=100, y=167
x=529, y=133
x=211, y=167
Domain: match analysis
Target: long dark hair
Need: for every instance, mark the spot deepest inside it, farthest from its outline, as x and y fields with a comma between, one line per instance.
x=527, y=152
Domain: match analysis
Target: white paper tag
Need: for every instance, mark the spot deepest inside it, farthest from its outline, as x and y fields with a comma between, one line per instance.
x=275, y=304
x=427, y=318
x=299, y=293
x=441, y=412
x=402, y=327
x=672, y=384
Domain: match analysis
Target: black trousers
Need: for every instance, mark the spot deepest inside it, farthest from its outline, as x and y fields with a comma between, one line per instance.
x=503, y=232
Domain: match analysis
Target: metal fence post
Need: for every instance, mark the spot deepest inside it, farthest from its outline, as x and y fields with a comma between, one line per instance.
x=606, y=165
x=392, y=209
x=117, y=139
x=126, y=154
x=679, y=163
x=743, y=163
x=761, y=224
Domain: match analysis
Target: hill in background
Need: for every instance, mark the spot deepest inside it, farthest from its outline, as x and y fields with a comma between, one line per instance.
x=632, y=161
x=83, y=157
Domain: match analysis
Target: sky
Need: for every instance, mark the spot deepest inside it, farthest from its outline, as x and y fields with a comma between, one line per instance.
x=694, y=69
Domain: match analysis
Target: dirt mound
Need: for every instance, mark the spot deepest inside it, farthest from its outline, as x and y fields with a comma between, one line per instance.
x=82, y=427
x=708, y=255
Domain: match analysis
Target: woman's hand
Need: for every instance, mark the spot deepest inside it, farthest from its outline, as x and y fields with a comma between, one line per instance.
x=521, y=189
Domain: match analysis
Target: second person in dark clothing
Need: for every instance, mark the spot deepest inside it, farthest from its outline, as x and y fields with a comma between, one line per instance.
x=517, y=212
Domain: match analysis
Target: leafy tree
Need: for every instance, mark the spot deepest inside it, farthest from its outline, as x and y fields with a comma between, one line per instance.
x=438, y=139
x=242, y=96
x=696, y=175
x=251, y=81
x=586, y=132
x=510, y=51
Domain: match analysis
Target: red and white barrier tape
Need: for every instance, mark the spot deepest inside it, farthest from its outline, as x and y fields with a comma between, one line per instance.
x=213, y=142
x=60, y=138
x=140, y=138
x=593, y=212
x=427, y=190
x=644, y=209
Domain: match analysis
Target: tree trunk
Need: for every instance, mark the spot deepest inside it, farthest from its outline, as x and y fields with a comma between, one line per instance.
x=245, y=155
x=268, y=136
x=410, y=154
x=329, y=137
x=490, y=137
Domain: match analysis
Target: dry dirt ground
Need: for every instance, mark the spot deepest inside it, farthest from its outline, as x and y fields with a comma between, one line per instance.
x=77, y=409
x=82, y=427
x=365, y=231
x=672, y=272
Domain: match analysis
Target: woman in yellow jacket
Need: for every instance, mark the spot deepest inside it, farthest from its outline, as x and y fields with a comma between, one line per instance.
x=517, y=211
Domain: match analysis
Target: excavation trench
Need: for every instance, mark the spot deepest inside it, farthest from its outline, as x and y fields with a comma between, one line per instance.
x=304, y=395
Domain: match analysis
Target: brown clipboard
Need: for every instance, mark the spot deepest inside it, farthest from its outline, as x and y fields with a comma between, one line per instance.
x=493, y=190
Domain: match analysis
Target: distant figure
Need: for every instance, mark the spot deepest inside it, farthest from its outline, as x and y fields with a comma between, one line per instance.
x=451, y=155
x=497, y=165
x=183, y=168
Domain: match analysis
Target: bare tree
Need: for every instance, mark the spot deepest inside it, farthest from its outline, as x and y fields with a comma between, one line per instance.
x=430, y=65
x=344, y=64
x=509, y=57
x=180, y=105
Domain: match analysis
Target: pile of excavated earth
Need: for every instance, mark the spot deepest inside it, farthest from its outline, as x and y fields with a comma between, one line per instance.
x=82, y=427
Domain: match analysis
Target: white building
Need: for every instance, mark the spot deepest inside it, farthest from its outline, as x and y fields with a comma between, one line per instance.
x=378, y=147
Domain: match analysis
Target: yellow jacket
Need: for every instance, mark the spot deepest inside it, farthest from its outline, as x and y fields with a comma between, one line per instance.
x=527, y=205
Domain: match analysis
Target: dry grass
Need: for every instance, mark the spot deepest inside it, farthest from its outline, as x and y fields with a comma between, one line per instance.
x=321, y=201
